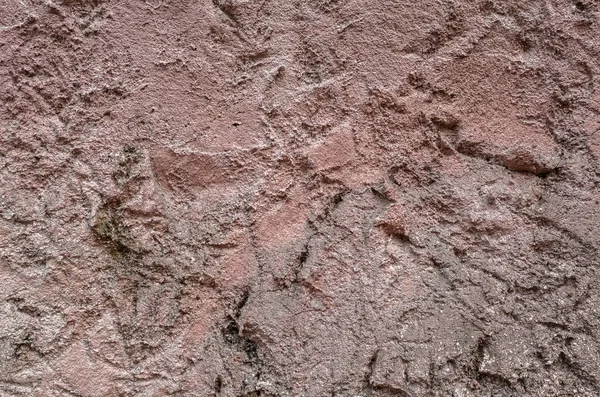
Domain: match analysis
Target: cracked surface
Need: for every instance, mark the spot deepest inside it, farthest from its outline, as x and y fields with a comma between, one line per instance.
x=299, y=198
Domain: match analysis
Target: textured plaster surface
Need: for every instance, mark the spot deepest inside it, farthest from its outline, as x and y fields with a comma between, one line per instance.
x=299, y=198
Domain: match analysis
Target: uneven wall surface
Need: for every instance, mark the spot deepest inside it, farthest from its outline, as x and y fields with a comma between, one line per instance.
x=299, y=198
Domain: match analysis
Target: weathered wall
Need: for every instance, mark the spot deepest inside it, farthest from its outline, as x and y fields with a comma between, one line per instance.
x=299, y=198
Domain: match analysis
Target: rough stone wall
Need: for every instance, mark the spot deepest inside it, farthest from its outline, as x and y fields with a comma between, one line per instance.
x=299, y=198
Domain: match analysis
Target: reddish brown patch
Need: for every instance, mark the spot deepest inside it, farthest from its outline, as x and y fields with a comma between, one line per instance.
x=77, y=368
x=453, y=166
x=284, y=223
x=496, y=101
x=200, y=328
x=394, y=221
x=238, y=268
x=179, y=171
x=335, y=152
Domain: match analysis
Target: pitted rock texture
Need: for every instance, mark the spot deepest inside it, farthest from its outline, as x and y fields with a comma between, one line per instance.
x=299, y=198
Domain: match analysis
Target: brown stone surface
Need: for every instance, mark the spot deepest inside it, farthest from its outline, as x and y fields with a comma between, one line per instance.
x=299, y=198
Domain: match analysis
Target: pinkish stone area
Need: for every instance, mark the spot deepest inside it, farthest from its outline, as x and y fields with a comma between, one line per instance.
x=237, y=198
